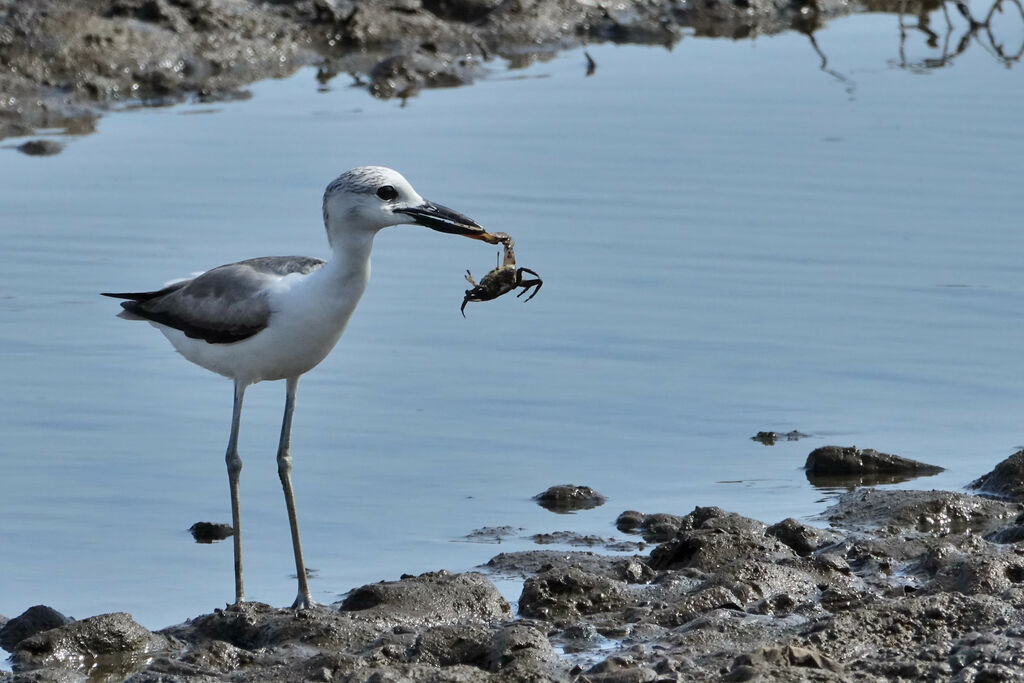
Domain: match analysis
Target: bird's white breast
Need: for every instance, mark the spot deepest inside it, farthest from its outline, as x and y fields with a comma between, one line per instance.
x=308, y=314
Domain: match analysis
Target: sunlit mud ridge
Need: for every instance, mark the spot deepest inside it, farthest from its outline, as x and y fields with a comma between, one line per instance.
x=903, y=585
x=66, y=60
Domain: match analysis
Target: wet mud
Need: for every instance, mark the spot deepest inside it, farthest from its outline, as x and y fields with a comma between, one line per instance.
x=66, y=61
x=901, y=585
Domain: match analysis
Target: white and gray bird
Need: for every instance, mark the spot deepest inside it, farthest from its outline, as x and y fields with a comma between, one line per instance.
x=277, y=317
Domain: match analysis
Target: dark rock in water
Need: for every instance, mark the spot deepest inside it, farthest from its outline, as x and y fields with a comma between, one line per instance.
x=41, y=148
x=435, y=597
x=569, y=497
x=852, y=460
x=770, y=438
x=28, y=623
x=585, y=541
x=1006, y=480
x=492, y=534
x=111, y=644
x=629, y=521
x=655, y=528
x=802, y=538
x=209, y=532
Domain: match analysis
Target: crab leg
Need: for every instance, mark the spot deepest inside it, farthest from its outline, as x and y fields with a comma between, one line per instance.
x=526, y=284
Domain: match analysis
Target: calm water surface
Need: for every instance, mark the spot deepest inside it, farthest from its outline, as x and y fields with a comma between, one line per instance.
x=732, y=240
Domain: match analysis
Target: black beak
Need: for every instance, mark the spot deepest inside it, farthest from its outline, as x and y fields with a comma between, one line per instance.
x=443, y=219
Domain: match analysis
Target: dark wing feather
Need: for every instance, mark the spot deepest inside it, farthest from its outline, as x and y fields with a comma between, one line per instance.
x=146, y=296
x=221, y=306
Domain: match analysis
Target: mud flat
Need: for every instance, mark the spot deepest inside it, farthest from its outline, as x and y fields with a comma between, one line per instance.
x=66, y=61
x=903, y=585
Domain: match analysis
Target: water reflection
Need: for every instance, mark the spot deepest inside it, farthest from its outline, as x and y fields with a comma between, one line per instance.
x=997, y=27
x=956, y=40
x=952, y=42
x=841, y=483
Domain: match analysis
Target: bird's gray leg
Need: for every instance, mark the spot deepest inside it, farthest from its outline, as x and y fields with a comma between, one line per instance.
x=234, y=463
x=284, y=470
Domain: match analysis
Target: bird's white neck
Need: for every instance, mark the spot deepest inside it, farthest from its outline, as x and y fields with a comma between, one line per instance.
x=349, y=265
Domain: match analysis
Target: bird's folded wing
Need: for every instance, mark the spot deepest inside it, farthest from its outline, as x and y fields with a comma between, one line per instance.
x=223, y=305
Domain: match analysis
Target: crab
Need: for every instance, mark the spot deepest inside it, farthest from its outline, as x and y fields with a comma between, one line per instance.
x=502, y=279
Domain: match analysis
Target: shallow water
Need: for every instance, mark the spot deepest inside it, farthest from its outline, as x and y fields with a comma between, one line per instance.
x=732, y=239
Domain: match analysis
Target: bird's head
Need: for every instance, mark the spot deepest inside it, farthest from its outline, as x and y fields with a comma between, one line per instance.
x=369, y=198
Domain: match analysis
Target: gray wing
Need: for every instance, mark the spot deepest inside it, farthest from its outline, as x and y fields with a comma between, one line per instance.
x=221, y=306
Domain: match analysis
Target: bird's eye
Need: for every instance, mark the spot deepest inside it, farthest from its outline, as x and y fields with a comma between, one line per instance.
x=387, y=192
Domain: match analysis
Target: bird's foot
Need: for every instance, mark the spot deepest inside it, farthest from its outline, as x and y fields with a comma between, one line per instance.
x=304, y=602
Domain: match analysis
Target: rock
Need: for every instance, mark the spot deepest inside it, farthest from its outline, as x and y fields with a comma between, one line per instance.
x=619, y=669
x=108, y=642
x=492, y=534
x=1011, y=534
x=568, y=498
x=209, y=532
x=629, y=521
x=585, y=541
x=923, y=511
x=30, y=622
x=765, y=662
x=521, y=648
x=253, y=626
x=836, y=460
x=710, y=538
x=992, y=656
x=41, y=148
x=802, y=538
x=1006, y=480
x=435, y=597
x=917, y=631
x=904, y=587
x=655, y=528
x=527, y=563
x=769, y=438
x=973, y=568
x=569, y=592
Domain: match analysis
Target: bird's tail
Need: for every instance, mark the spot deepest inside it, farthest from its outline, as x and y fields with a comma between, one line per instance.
x=134, y=296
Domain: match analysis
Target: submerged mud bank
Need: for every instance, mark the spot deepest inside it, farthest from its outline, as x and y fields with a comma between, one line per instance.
x=904, y=585
x=64, y=61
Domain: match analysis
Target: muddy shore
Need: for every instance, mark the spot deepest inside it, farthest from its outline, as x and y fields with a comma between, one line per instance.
x=64, y=62
x=902, y=585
